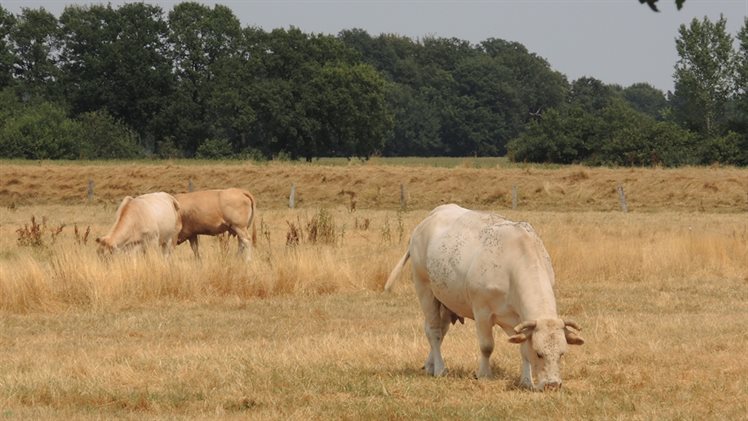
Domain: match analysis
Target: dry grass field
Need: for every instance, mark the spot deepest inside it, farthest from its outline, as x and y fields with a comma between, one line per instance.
x=304, y=331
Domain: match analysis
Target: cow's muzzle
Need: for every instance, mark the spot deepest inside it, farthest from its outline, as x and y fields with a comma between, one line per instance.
x=551, y=386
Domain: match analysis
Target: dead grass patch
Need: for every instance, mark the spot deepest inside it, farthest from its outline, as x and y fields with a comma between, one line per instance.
x=305, y=332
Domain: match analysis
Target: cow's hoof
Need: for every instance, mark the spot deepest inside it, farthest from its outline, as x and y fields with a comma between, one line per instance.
x=441, y=373
x=429, y=368
x=524, y=384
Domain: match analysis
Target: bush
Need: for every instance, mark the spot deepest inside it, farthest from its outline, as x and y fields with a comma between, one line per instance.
x=722, y=149
x=103, y=137
x=168, y=149
x=614, y=135
x=214, y=149
x=40, y=131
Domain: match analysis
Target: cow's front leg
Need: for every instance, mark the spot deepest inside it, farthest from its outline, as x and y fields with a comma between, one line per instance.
x=166, y=248
x=526, y=377
x=484, y=328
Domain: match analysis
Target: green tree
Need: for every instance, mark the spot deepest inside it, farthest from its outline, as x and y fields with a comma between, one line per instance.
x=396, y=57
x=646, y=99
x=115, y=60
x=739, y=106
x=416, y=123
x=289, y=82
x=590, y=94
x=615, y=134
x=631, y=138
x=351, y=110
x=7, y=22
x=566, y=135
x=35, y=39
x=201, y=39
x=539, y=86
x=704, y=76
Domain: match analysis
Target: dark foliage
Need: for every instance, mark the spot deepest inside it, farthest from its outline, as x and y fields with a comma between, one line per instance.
x=101, y=82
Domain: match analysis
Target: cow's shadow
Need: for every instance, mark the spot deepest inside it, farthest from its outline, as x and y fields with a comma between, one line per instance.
x=462, y=373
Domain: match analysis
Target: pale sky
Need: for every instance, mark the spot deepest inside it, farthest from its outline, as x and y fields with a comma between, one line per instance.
x=616, y=41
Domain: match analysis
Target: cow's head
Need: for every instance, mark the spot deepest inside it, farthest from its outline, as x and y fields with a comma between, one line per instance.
x=105, y=246
x=544, y=343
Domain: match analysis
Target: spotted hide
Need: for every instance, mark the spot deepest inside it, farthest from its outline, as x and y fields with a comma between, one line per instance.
x=478, y=265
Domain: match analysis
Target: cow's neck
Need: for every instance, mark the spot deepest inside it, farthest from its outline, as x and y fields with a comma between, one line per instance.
x=534, y=299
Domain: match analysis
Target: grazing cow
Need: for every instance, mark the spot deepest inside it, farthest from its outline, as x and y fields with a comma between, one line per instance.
x=213, y=212
x=497, y=272
x=144, y=220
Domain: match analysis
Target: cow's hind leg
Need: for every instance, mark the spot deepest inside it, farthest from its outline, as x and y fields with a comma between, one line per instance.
x=484, y=328
x=242, y=238
x=194, y=245
x=436, y=325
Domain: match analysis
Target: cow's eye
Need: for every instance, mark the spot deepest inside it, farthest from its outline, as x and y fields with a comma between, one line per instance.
x=540, y=355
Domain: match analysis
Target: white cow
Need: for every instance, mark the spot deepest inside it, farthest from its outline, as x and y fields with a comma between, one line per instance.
x=497, y=272
x=148, y=219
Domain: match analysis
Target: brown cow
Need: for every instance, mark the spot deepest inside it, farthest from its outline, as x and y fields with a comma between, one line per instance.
x=144, y=220
x=213, y=212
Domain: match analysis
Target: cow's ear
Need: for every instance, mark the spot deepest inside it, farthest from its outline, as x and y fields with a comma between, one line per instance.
x=518, y=338
x=572, y=338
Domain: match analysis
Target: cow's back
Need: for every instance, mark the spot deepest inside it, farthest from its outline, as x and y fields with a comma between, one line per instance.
x=158, y=214
x=201, y=212
x=470, y=255
x=144, y=218
x=211, y=212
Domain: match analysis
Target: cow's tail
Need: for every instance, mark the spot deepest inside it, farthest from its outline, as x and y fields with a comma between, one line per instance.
x=395, y=274
x=252, y=218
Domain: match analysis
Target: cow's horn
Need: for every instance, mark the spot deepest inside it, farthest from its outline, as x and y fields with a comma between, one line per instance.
x=527, y=324
x=572, y=324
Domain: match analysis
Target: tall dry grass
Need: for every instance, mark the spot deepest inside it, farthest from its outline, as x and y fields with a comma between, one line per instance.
x=586, y=248
x=68, y=273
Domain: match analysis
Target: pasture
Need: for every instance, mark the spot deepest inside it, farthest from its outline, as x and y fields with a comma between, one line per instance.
x=305, y=332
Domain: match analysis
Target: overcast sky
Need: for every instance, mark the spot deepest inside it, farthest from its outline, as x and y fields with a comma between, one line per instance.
x=616, y=41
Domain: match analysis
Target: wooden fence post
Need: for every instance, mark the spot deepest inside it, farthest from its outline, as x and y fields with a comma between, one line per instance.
x=90, y=190
x=292, y=197
x=622, y=199
x=190, y=187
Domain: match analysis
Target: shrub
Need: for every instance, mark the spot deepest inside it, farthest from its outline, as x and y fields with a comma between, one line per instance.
x=103, y=137
x=40, y=131
x=721, y=149
x=214, y=149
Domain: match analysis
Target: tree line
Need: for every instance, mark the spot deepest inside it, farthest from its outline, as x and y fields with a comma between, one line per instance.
x=99, y=82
